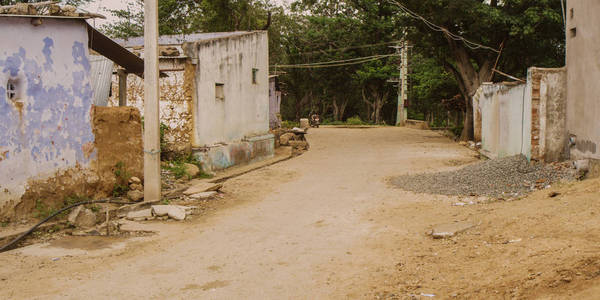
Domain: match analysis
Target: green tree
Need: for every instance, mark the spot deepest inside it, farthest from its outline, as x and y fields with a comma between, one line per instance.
x=530, y=32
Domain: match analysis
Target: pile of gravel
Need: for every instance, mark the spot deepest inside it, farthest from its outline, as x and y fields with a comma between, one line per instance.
x=498, y=178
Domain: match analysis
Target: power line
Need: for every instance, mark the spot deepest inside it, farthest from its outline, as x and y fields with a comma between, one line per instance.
x=347, y=48
x=339, y=63
x=434, y=27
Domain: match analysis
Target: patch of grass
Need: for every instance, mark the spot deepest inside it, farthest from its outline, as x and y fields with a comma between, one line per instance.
x=177, y=167
x=350, y=121
x=289, y=124
x=355, y=121
x=122, y=185
x=165, y=201
x=4, y=224
x=43, y=211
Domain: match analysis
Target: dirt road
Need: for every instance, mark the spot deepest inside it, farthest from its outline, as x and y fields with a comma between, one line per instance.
x=327, y=225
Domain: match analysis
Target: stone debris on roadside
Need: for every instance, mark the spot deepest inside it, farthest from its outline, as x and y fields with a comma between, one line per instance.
x=135, y=195
x=201, y=187
x=450, y=229
x=507, y=177
x=140, y=215
x=204, y=195
x=82, y=217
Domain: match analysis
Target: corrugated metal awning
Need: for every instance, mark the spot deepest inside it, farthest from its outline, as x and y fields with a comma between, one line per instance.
x=115, y=52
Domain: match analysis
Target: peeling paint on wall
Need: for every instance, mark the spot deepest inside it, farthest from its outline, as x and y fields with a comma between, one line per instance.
x=46, y=126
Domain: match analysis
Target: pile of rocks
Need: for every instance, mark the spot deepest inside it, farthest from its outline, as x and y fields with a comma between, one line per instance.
x=507, y=177
x=136, y=190
x=295, y=138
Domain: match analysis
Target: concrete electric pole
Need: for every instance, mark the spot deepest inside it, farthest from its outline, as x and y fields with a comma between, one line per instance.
x=152, y=181
x=402, y=115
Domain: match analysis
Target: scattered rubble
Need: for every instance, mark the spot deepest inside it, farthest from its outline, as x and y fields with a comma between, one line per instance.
x=285, y=139
x=82, y=217
x=507, y=177
x=449, y=230
x=135, y=195
x=204, y=195
x=140, y=215
x=200, y=187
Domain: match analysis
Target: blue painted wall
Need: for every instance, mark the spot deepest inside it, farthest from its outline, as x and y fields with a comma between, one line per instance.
x=47, y=126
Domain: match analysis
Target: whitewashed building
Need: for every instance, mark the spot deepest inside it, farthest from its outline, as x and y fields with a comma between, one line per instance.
x=215, y=100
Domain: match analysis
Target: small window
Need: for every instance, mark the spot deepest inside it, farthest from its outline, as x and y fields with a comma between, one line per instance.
x=220, y=91
x=573, y=32
x=254, y=75
x=11, y=90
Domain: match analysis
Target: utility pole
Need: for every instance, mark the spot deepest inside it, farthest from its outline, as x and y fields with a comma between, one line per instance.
x=152, y=181
x=402, y=51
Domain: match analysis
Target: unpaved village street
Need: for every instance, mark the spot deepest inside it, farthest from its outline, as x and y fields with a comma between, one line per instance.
x=329, y=225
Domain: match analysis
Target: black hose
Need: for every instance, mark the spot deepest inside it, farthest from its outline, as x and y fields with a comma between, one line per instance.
x=9, y=245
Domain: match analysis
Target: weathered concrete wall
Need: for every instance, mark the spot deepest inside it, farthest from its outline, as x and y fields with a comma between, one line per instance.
x=45, y=129
x=583, y=77
x=175, y=104
x=548, y=121
x=244, y=109
x=502, y=120
x=526, y=119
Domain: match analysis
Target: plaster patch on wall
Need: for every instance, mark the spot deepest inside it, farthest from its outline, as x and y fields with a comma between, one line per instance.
x=174, y=107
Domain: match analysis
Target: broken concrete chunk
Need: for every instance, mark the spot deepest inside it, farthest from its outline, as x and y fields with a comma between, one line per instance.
x=191, y=169
x=135, y=196
x=204, y=195
x=203, y=187
x=140, y=215
x=72, y=218
x=450, y=229
x=177, y=213
x=160, y=210
x=85, y=219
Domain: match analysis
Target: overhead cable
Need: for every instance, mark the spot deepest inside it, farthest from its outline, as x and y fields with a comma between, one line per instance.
x=432, y=26
x=338, y=63
x=347, y=48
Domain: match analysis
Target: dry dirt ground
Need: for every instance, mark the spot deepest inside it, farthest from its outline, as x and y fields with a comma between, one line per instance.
x=327, y=225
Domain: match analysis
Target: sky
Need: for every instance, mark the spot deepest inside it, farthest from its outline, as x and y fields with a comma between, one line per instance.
x=101, y=7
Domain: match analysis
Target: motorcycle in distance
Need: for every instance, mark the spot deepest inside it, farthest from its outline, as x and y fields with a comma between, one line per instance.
x=315, y=121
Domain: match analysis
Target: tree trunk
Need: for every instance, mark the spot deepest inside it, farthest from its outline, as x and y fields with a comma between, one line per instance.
x=469, y=79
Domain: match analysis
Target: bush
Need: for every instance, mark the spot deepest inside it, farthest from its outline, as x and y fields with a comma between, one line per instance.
x=355, y=121
x=289, y=124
